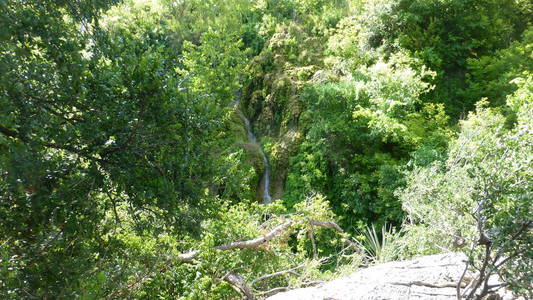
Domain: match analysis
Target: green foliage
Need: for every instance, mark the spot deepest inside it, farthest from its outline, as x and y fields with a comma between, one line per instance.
x=378, y=247
x=91, y=117
x=360, y=130
x=482, y=191
x=444, y=35
x=214, y=72
x=150, y=265
x=122, y=143
x=491, y=75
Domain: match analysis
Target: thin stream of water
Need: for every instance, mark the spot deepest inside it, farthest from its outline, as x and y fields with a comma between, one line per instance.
x=252, y=139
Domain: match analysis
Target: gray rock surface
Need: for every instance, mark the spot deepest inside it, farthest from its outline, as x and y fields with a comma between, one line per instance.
x=429, y=277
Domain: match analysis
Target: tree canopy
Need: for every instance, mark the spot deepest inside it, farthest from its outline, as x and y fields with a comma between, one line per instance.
x=139, y=137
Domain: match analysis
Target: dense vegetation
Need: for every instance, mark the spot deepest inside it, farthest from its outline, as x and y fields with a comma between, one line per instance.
x=134, y=132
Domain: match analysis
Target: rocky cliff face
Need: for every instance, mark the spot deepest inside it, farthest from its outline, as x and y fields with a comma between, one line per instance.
x=430, y=277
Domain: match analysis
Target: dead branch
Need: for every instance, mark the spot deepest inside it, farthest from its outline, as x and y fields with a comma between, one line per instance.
x=430, y=285
x=312, y=283
x=286, y=288
x=254, y=243
x=327, y=224
x=312, y=237
x=275, y=290
x=188, y=257
x=239, y=284
x=433, y=294
x=257, y=242
x=291, y=271
x=423, y=267
x=336, y=227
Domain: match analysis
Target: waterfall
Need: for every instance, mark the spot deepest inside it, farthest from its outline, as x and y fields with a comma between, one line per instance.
x=252, y=139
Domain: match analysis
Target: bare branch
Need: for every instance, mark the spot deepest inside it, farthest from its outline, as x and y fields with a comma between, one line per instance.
x=260, y=241
x=254, y=243
x=312, y=283
x=327, y=224
x=430, y=285
x=188, y=257
x=289, y=271
x=312, y=237
x=275, y=290
x=239, y=284
x=334, y=226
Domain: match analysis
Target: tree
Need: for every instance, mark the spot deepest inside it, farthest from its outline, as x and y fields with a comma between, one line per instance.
x=92, y=116
x=444, y=35
x=359, y=130
x=479, y=198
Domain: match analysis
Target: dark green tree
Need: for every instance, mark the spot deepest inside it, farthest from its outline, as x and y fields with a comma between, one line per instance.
x=92, y=116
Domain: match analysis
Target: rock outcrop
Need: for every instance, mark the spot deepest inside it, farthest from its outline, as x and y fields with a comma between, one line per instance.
x=431, y=277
